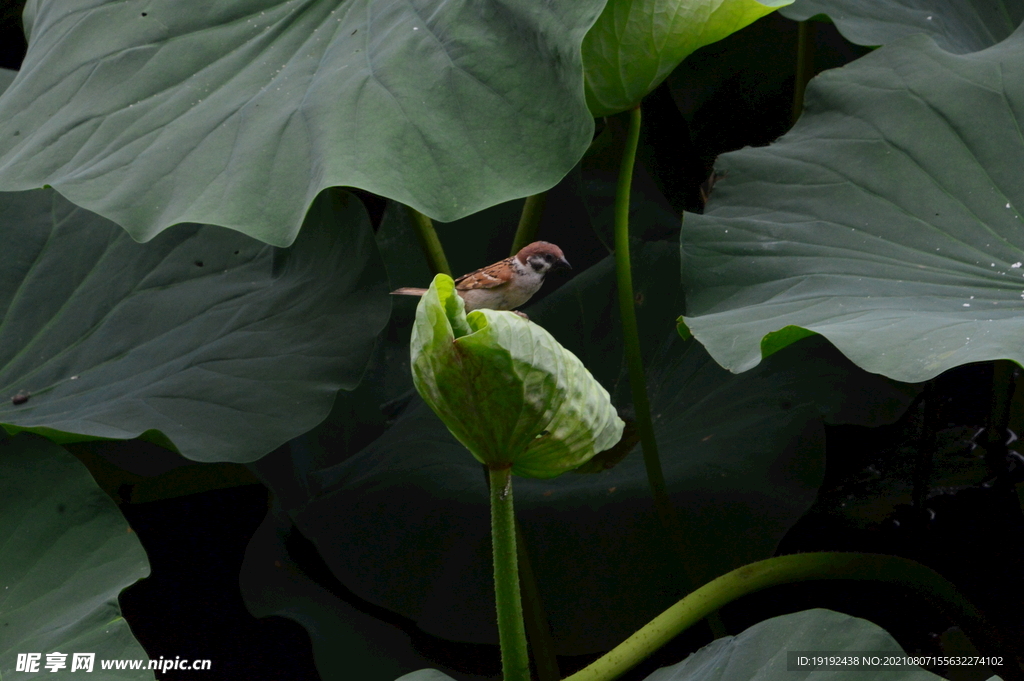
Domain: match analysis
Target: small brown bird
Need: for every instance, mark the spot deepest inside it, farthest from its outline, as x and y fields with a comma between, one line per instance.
x=508, y=283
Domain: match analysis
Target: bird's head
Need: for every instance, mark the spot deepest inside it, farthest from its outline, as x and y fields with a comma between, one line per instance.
x=542, y=256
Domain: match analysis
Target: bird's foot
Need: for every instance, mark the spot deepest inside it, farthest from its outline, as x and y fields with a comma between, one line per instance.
x=522, y=314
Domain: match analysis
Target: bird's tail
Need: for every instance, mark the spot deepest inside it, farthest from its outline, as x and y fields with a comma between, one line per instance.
x=407, y=291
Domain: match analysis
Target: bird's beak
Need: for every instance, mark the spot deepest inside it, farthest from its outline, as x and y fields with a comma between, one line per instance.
x=562, y=262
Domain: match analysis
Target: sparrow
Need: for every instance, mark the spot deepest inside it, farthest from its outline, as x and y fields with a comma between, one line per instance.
x=508, y=283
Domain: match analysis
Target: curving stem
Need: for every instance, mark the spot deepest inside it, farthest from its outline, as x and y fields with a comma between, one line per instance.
x=627, y=310
x=802, y=567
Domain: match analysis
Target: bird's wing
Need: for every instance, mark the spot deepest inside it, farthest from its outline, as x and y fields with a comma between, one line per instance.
x=491, y=276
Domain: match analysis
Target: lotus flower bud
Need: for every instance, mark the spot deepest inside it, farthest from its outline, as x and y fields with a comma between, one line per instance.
x=506, y=389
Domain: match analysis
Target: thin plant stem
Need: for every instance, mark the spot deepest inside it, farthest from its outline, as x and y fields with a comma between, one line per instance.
x=635, y=365
x=529, y=221
x=515, y=659
x=804, y=67
x=627, y=310
x=429, y=243
x=802, y=567
x=538, y=630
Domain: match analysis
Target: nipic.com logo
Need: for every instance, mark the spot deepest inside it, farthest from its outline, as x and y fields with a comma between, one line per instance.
x=86, y=662
x=29, y=662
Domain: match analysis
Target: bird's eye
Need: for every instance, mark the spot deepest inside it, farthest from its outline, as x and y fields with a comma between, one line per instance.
x=549, y=257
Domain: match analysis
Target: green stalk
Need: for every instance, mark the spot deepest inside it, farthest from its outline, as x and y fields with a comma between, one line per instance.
x=538, y=631
x=429, y=243
x=529, y=221
x=627, y=310
x=515, y=660
x=801, y=567
x=635, y=364
x=804, y=68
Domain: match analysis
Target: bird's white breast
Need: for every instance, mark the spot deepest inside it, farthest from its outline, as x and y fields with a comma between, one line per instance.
x=507, y=296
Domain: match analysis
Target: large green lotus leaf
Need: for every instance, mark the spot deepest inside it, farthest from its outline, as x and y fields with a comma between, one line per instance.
x=403, y=523
x=635, y=44
x=67, y=554
x=506, y=389
x=763, y=652
x=205, y=340
x=958, y=26
x=241, y=113
x=887, y=220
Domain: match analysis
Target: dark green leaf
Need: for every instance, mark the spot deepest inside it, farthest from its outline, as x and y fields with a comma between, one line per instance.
x=67, y=554
x=204, y=339
x=239, y=114
x=958, y=26
x=6, y=78
x=888, y=220
x=345, y=639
